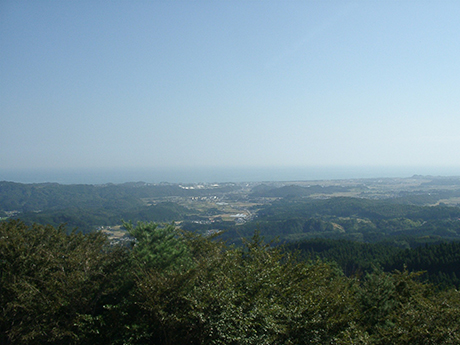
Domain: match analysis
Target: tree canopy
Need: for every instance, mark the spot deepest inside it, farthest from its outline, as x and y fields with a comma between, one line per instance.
x=174, y=287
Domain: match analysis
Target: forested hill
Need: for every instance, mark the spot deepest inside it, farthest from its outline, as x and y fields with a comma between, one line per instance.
x=364, y=211
x=355, y=219
x=357, y=207
x=87, y=207
x=264, y=190
x=53, y=196
x=440, y=262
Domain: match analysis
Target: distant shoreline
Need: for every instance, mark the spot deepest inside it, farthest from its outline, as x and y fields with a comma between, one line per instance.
x=217, y=175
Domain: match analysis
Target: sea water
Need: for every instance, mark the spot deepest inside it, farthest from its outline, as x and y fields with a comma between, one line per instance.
x=215, y=174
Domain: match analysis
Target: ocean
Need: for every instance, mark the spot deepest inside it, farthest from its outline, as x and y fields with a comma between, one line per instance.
x=216, y=175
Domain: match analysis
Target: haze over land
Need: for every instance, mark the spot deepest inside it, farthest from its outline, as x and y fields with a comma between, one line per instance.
x=342, y=89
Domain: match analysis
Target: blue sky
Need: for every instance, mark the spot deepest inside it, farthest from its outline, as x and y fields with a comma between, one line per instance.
x=163, y=84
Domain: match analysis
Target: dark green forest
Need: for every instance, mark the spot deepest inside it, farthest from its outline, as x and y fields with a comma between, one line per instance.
x=439, y=262
x=87, y=207
x=175, y=287
x=354, y=219
x=288, y=213
x=53, y=196
x=306, y=266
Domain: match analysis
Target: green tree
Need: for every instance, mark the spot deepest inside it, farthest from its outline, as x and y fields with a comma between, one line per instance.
x=421, y=316
x=162, y=248
x=54, y=286
x=249, y=295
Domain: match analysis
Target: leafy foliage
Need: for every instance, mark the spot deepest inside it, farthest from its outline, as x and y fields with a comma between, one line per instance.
x=162, y=248
x=175, y=287
x=249, y=295
x=406, y=311
x=55, y=285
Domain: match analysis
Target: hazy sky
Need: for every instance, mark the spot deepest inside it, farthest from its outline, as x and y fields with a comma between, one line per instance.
x=116, y=84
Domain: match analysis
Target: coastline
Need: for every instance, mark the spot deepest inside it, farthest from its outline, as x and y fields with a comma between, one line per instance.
x=216, y=174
